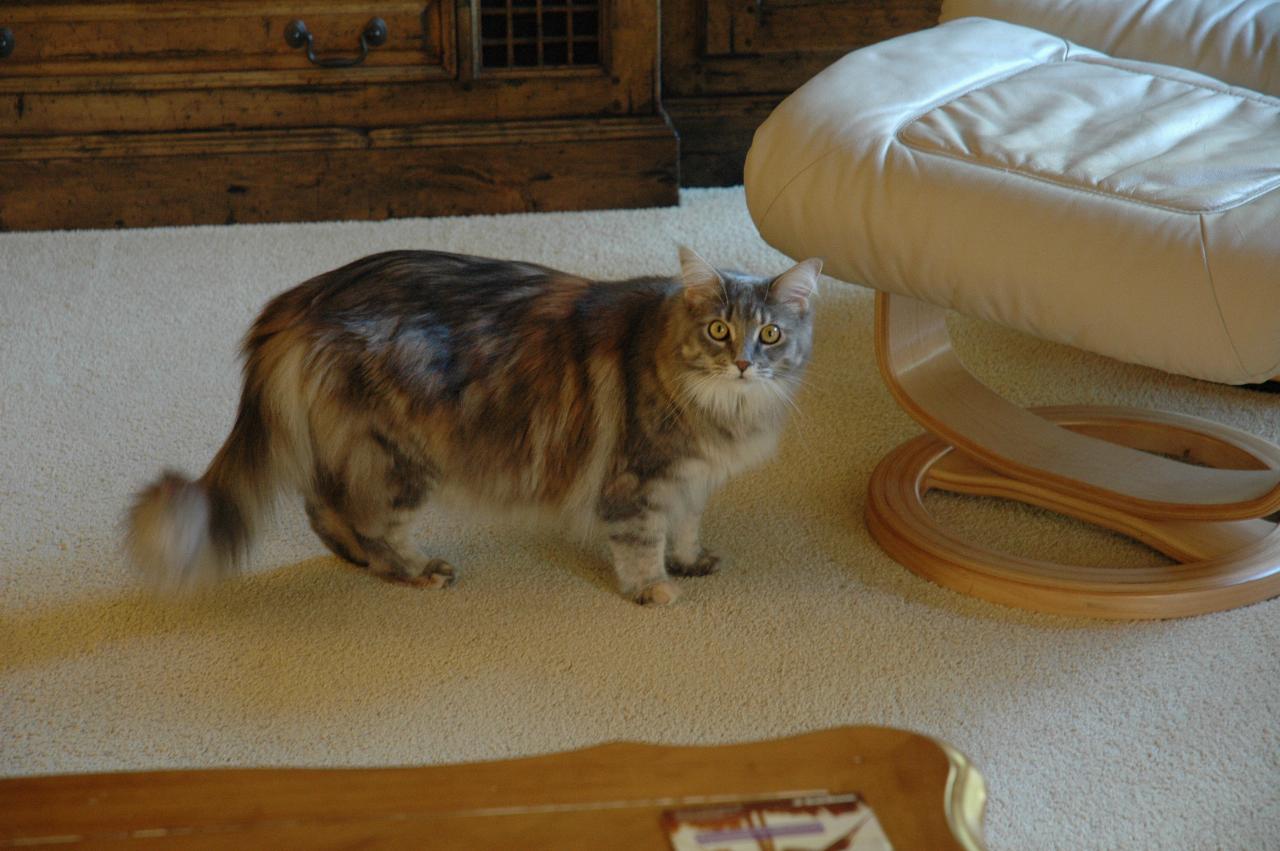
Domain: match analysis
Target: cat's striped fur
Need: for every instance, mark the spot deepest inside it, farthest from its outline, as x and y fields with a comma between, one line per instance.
x=411, y=375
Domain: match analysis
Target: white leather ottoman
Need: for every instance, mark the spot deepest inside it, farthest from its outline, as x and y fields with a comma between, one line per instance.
x=1128, y=207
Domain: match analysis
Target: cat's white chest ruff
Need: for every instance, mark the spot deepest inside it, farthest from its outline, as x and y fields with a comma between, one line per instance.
x=725, y=459
x=755, y=426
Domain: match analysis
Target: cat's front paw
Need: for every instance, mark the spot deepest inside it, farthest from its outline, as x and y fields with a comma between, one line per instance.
x=661, y=593
x=434, y=573
x=704, y=565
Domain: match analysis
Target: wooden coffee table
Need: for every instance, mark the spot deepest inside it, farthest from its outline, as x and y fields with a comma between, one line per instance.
x=923, y=793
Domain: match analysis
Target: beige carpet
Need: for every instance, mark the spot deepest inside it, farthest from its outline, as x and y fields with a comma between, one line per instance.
x=118, y=355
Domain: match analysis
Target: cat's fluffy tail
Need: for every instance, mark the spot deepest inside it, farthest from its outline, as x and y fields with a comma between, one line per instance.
x=184, y=534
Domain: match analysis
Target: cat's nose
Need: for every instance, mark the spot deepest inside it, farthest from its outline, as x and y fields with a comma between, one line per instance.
x=742, y=365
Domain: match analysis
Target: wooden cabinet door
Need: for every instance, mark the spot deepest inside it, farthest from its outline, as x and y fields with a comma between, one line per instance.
x=761, y=27
x=727, y=63
x=736, y=47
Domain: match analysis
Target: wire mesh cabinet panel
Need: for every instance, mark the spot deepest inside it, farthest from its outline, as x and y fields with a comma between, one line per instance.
x=540, y=33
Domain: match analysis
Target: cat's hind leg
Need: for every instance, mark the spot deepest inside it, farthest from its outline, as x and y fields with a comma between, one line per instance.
x=336, y=533
x=392, y=557
x=364, y=513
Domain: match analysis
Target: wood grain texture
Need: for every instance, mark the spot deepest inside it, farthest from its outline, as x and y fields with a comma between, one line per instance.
x=715, y=135
x=740, y=47
x=925, y=794
x=727, y=63
x=253, y=104
x=223, y=178
x=203, y=114
x=68, y=40
x=1096, y=464
x=815, y=26
x=1183, y=540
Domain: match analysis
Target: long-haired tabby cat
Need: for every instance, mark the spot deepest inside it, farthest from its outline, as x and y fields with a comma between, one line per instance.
x=414, y=375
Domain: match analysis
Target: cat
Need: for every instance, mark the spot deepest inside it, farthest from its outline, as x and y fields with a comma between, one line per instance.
x=412, y=375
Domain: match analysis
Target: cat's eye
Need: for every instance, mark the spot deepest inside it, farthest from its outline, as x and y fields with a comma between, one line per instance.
x=718, y=330
x=770, y=334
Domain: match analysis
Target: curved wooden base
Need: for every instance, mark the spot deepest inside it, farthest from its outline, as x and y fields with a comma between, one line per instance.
x=926, y=377
x=1222, y=563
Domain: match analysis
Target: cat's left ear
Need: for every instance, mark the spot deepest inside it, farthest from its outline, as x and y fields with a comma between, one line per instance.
x=701, y=280
x=797, y=285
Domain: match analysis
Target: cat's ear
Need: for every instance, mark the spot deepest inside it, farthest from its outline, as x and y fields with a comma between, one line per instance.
x=701, y=280
x=797, y=285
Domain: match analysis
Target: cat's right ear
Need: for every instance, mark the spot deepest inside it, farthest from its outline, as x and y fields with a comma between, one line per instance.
x=701, y=281
x=797, y=285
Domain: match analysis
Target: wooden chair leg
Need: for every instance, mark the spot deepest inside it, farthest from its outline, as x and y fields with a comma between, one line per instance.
x=1227, y=556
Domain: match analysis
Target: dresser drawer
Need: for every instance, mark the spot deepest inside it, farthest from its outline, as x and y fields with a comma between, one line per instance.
x=160, y=44
x=217, y=64
x=124, y=114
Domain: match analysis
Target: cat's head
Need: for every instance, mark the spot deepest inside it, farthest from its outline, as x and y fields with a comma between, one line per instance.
x=745, y=339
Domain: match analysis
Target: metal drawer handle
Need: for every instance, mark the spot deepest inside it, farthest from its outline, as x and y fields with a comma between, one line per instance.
x=6, y=42
x=374, y=35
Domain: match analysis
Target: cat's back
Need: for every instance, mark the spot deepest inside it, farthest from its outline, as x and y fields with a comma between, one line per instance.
x=459, y=317
x=468, y=294
x=403, y=283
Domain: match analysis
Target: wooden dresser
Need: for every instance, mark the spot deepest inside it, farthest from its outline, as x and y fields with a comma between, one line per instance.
x=123, y=114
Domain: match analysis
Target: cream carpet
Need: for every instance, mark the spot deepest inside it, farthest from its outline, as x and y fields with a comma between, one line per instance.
x=118, y=355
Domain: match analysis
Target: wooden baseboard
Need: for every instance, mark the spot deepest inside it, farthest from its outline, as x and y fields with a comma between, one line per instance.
x=320, y=174
x=715, y=133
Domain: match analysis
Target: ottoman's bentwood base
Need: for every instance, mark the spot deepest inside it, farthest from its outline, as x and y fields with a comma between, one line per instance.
x=1077, y=461
x=1125, y=204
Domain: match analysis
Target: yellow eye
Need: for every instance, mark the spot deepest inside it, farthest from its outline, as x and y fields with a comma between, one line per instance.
x=770, y=334
x=718, y=330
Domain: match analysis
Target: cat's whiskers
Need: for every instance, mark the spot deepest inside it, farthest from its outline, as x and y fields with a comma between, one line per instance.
x=804, y=385
x=775, y=387
x=682, y=397
x=818, y=381
x=698, y=388
x=820, y=373
x=800, y=419
x=673, y=409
